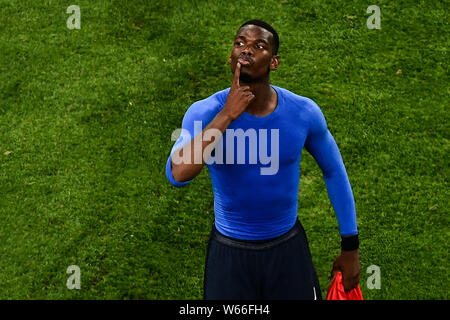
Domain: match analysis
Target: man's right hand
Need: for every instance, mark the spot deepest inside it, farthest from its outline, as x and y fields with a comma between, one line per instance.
x=238, y=98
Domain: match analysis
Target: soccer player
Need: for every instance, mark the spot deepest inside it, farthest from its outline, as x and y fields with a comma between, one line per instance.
x=257, y=247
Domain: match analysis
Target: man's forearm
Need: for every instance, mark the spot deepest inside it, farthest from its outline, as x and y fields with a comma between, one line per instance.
x=196, y=158
x=342, y=200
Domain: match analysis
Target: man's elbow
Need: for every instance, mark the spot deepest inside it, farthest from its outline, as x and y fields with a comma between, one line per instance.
x=172, y=174
x=178, y=173
x=177, y=176
x=329, y=171
x=334, y=172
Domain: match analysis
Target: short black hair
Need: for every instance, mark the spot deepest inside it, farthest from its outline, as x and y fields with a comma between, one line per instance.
x=269, y=28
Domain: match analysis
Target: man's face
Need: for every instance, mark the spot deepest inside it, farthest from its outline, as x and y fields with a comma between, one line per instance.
x=254, y=50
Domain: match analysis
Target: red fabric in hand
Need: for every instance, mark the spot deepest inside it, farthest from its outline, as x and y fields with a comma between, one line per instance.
x=336, y=290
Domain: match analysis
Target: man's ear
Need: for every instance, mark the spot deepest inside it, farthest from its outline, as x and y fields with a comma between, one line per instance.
x=229, y=60
x=274, y=63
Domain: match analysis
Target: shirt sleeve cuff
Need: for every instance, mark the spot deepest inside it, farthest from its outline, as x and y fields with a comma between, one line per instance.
x=170, y=176
x=350, y=243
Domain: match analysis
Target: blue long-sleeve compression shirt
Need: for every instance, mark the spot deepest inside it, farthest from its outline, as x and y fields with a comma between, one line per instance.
x=255, y=166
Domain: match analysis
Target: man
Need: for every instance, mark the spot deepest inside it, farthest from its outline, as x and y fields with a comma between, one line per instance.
x=257, y=247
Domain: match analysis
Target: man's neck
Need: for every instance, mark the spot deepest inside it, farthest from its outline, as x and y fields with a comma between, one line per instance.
x=265, y=99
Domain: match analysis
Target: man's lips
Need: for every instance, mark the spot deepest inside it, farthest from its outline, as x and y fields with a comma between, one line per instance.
x=244, y=62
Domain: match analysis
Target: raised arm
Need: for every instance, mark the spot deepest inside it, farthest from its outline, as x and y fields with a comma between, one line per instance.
x=193, y=148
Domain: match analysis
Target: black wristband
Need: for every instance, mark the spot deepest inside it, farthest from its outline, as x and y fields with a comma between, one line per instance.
x=349, y=243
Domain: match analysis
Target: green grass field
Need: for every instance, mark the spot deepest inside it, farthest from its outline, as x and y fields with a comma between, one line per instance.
x=86, y=118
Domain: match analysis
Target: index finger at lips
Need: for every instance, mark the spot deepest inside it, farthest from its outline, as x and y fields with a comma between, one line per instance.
x=237, y=73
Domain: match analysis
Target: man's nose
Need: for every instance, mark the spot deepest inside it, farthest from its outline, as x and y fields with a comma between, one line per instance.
x=247, y=51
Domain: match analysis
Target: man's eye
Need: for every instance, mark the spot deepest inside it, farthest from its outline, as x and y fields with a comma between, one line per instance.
x=259, y=46
x=238, y=43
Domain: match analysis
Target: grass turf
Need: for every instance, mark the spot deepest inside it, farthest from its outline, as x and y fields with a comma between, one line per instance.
x=86, y=118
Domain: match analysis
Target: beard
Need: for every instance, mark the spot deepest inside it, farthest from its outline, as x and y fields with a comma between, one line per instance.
x=246, y=78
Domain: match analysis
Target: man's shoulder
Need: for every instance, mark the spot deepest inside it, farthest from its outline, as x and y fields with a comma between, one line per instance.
x=308, y=110
x=216, y=98
x=299, y=102
x=205, y=109
x=211, y=103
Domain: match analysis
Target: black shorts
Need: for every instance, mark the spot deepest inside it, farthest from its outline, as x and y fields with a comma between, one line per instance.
x=274, y=269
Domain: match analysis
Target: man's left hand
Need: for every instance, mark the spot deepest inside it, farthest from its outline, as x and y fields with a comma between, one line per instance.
x=348, y=264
